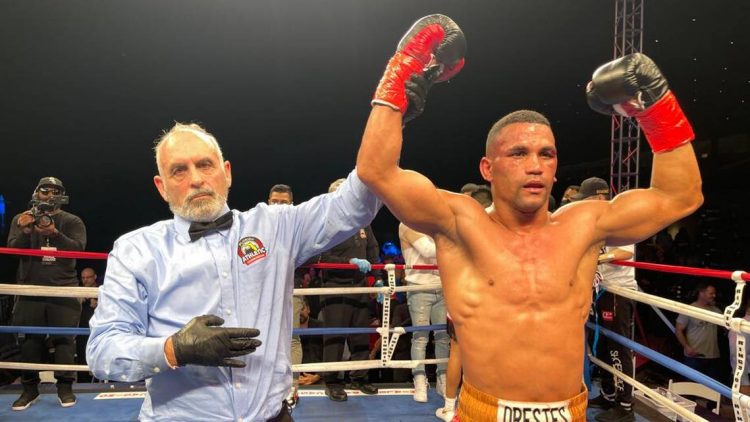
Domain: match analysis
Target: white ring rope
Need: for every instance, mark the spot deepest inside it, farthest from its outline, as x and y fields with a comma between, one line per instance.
x=651, y=394
x=42, y=366
x=92, y=292
x=48, y=291
x=738, y=325
x=355, y=290
x=363, y=364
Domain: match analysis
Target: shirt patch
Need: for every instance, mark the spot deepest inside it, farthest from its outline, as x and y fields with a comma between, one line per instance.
x=251, y=249
x=608, y=316
x=362, y=234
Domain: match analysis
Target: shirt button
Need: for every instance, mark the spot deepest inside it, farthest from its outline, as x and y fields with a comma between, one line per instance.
x=156, y=369
x=124, y=377
x=225, y=274
x=229, y=312
x=238, y=385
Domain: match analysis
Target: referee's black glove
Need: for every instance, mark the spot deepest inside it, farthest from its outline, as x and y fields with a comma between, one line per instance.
x=202, y=342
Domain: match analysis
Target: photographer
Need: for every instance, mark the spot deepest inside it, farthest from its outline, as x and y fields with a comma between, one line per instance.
x=45, y=226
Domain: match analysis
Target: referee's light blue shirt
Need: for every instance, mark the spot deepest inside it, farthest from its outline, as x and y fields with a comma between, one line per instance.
x=157, y=281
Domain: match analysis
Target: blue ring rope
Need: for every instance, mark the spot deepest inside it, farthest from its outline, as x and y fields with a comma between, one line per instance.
x=71, y=331
x=667, y=362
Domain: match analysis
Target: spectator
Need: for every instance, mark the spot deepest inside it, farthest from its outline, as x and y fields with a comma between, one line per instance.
x=569, y=192
x=425, y=308
x=282, y=195
x=698, y=337
x=88, y=305
x=46, y=226
x=312, y=346
x=348, y=310
x=614, y=313
x=233, y=268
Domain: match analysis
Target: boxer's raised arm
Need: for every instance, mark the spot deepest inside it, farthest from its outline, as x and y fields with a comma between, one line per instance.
x=431, y=51
x=634, y=86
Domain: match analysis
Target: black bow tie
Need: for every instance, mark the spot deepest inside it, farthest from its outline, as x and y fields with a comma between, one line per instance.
x=198, y=229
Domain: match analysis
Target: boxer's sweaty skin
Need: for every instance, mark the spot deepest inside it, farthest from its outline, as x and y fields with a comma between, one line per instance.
x=517, y=280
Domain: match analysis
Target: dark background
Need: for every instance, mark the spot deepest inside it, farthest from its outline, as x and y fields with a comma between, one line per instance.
x=86, y=87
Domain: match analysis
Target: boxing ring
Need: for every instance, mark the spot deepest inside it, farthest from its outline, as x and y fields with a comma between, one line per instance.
x=122, y=401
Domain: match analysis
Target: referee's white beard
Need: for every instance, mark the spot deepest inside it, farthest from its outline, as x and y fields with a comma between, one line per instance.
x=203, y=210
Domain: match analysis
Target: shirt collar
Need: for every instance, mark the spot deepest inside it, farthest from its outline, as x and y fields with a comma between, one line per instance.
x=182, y=225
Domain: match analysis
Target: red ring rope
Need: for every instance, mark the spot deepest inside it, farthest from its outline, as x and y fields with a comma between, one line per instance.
x=58, y=254
x=703, y=272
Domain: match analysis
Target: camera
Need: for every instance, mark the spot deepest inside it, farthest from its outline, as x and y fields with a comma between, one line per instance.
x=40, y=209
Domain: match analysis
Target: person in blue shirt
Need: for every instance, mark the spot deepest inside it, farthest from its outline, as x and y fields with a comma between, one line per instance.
x=200, y=306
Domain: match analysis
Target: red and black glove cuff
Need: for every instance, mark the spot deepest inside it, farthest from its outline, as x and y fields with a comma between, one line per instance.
x=391, y=89
x=664, y=124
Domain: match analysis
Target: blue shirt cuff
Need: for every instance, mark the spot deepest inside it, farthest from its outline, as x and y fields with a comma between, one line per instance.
x=152, y=355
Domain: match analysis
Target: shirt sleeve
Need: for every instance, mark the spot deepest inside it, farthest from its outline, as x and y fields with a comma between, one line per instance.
x=119, y=348
x=425, y=246
x=71, y=235
x=16, y=237
x=327, y=220
x=683, y=319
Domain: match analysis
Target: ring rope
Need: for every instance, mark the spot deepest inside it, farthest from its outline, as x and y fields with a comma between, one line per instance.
x=48, y=291
x=24, y=366
x=739, y=324
x=58, y=331
x=312, y=291
x=83, y=331
x=92, y=292
x=364, y=364
x=56, y=254
x=305, y=367
x=331, y=266
x=702, y=272
x=669, y=363
x=650, y=393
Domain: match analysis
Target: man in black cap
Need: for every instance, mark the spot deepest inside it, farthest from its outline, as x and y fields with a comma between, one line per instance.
x=591, y=188
x=614, y=313
x=45, y=226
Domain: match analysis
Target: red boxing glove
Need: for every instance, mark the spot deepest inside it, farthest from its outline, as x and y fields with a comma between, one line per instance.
x=434, y=42
x=634, y=86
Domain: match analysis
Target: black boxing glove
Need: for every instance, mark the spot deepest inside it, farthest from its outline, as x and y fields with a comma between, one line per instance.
x=635, y=87
x=202, y=342
x=434, y=41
